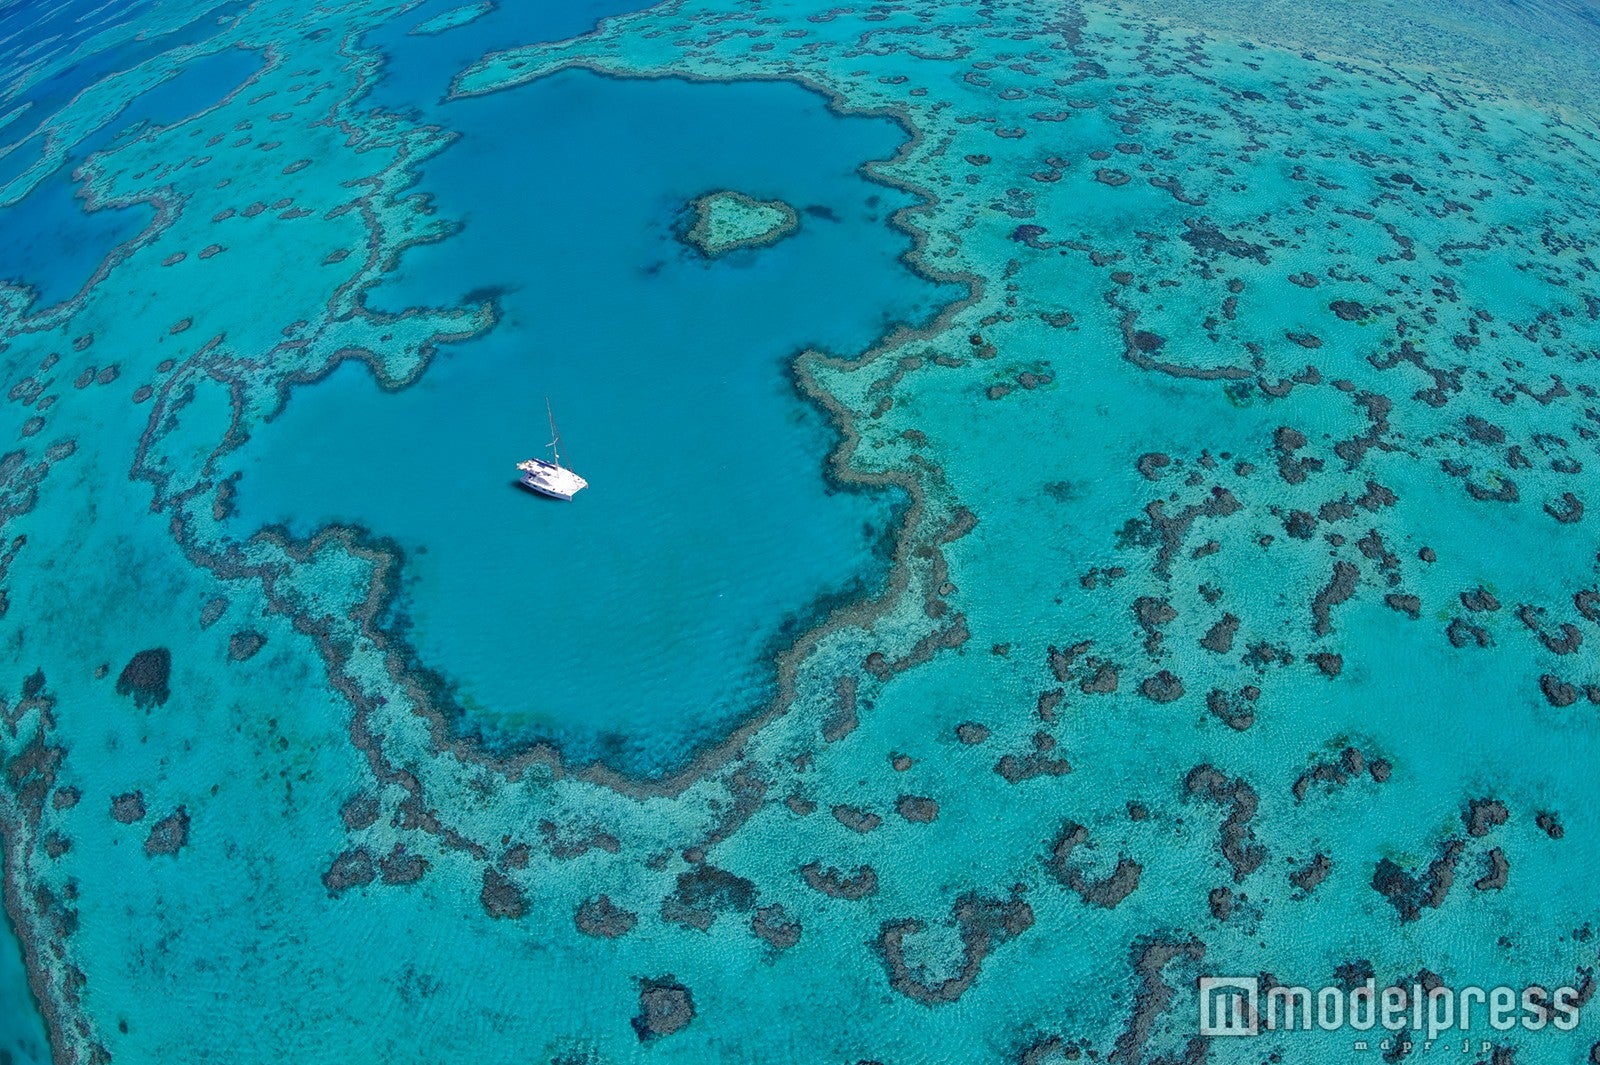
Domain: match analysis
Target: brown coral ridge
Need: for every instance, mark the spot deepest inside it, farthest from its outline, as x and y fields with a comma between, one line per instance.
x=1565, y=640
x=400, y=866
x=1153, y=613
x=1163, y=687
x=1219, y=637
x=983, y=925
x=1498, y=873
x=1237, y=711
x=127, y=807
x=950, y=637
x=1561, y=694
x=1108, y=891
x=42, y=918
x=1052, y=1050
x=350, y=869
x=565, y=847
x=501, y=898
x=972, y=733
x=1309, y=876
x=842, y=719
x=918, y=809
x=771, y=925
x=245, y=645
x=1139, y=346
x=1167, y=532
x=856, y=819
x=747, y=791
x=1340, y=587
x=1481, y=815
x=1096, y=677
x=1291, y=468
x=1150, y=958
x=1238, y=845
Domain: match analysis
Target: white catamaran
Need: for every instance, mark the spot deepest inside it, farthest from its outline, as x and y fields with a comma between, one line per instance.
x=551, y=478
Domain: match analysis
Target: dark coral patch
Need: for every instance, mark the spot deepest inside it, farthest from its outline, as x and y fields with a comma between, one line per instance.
x=982, y=924
x=352, y=868
x=500, y=897
x=771, y=924
x=702, y=893
x=665, y=1007
x=604, y=919
x=837, y=885
x=128, y=808
x=1409, y=893
x=1106, y=892
x=145, y=677
x=917, y=809
x=168, y=835
x=245, y=645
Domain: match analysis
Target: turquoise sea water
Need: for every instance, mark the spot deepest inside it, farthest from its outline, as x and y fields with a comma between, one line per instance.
x=23, y=1036
x=1138, y=527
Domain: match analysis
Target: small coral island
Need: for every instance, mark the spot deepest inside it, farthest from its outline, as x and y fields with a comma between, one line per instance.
x=725, y=220
x=452, y=19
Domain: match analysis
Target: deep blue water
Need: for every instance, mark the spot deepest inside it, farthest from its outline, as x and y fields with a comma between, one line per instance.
x=709, y=526
x=419, y=67
x=48, y=94
x=201, y=83
x=20, y=158
x=52, y=244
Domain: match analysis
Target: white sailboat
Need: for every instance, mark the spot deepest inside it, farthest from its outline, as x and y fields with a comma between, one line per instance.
x=551, y=478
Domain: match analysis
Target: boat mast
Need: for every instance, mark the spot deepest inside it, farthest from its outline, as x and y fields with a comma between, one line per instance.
x=555, y=435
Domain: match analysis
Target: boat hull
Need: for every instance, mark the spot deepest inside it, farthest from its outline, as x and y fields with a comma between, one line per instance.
x=545, y=490
x=549, y=479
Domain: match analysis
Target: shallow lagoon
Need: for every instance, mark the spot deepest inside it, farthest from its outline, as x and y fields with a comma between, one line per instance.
x=652, y=605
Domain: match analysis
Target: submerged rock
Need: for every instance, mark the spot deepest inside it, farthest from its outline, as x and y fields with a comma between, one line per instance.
x=245, y=645
x=168, y=835
x=145, y=677
x=772, y=925
x=352, y=868
x=604, y=919
x=500, y=897
x=128, y=808
x=665, y=1008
